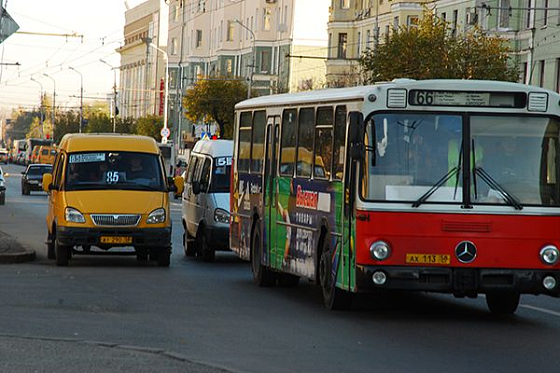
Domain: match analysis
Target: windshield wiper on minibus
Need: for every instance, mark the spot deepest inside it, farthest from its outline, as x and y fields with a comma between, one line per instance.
x=454, y=171
x=494, y=185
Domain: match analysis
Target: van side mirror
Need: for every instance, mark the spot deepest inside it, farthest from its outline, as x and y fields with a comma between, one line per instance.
x=356, y=133
x=196, y=187
x=47, y=182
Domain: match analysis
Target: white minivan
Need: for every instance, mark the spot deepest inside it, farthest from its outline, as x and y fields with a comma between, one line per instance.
x=205, y=203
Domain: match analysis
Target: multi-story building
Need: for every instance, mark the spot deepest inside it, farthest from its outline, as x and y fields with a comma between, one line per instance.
x=276, y=45
x=143, y=60
x=531, y=26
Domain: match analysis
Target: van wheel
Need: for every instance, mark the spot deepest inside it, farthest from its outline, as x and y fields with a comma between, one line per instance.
x=262, y=276
x=2, y=199
x=189, y=244
x=208, y=254
x=164, y=257
x=141, y=255
x=62, y=254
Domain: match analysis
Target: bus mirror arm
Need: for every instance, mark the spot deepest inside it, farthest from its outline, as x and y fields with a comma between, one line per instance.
x=356, y=136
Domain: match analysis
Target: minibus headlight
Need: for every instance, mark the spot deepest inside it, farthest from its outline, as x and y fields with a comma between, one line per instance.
x=380, y=250
x=156, y=216
x=549, y=255
x=74, y=216
x=221, y=216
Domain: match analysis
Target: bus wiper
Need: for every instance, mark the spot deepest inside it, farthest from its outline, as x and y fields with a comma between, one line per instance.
x=454, y=171
x=494, y=185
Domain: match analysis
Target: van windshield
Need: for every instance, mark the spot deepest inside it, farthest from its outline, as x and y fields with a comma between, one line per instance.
x=114, y=170
x=221, y=175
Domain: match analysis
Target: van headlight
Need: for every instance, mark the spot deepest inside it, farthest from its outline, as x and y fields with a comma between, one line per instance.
x=156, y=216
x=74, y=216
x=221, y=216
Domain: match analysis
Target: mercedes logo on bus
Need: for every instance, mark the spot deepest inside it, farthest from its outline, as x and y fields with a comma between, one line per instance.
x=465, y=252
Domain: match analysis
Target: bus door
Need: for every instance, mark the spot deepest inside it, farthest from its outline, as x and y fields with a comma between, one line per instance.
x=269, y=186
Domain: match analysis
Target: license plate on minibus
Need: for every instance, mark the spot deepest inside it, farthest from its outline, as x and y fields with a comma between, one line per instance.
x=442, y=259
x=115, y=239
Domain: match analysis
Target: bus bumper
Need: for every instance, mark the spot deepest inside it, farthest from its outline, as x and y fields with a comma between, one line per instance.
x=459, y=281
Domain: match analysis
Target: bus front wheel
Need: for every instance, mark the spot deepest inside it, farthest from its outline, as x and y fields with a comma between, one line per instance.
x=333, y=297
x=261, y=275
x=502, y=303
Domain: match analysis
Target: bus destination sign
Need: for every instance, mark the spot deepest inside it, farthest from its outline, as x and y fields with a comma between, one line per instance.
x=448, y=98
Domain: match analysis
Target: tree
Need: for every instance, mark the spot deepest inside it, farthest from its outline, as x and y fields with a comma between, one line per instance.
x=430, y=52
x=214, y=100
x=149, y=126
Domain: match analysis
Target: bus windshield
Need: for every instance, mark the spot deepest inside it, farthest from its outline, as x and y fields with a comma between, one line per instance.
x=408, y=154
x=114, y=170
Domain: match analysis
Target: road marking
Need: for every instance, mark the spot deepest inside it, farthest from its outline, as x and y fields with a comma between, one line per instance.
x=543, y=310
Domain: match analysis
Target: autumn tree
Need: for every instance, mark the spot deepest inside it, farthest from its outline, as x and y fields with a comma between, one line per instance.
x=428, y=51
x=214, y=100
x=149, y=126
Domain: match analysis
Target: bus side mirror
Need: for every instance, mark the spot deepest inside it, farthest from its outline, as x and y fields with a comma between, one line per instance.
x=356, y=133
x=47, y=182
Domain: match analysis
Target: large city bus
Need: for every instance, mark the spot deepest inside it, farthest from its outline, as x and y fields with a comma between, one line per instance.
x=446, y=186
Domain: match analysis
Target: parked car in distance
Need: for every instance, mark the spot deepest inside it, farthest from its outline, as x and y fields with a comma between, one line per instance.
x=32, y=177
x=47, y=154
x=2, y=187
x=205, y=205
x=4, y=154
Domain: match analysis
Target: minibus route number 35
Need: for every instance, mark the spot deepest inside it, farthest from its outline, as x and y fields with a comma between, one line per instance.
x=446, y=186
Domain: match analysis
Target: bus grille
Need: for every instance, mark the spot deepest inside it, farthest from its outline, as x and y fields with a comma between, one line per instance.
x=115, y=220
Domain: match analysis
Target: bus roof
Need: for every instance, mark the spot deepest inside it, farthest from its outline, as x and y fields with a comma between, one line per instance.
x=108, y=142
x=214, y=148
x=360, y=93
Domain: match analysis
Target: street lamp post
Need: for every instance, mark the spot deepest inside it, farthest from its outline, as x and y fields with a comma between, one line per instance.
x=81, y=97
x=252, y=66
x=54, y=100
x=114, y=107
x=164, y=138
x=41, y=105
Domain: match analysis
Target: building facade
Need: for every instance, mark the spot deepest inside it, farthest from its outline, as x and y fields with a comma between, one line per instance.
x=275, y=45
x=143, y=60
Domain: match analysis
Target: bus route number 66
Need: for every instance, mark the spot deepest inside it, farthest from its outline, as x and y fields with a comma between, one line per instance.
x=424, y=98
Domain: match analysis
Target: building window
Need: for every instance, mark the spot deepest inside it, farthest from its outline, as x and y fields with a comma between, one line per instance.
x=229, y=66
x=454, y=23
x=359, y=43
x=330, y=46
x=541, y=77
x=230, y=30
x=198, y=38
x=387, y=33
x=265, y=62
x=368, y=39
x=342, y=44
x=443, y=16
x=396, y=23
x=530, y=14
x=503, y=12
x=267, y=17
x=525, y=72
x=173, y=78
x=345, y=4
x=412, y=21
x=545, y=12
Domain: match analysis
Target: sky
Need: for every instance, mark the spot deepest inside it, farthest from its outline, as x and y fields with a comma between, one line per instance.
x=101, y=22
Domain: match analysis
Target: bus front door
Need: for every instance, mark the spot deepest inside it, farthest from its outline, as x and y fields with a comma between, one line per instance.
x=269, y=189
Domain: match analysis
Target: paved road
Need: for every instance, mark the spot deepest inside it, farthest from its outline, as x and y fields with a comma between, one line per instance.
x=105, y=314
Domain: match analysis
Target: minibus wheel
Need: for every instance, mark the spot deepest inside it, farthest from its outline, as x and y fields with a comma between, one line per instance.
x=164, y=258
x=62, y=253
x=208, y=254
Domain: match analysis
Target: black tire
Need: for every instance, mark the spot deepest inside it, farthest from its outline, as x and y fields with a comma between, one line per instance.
x=26, y=191
x=262, y=276
x=208, y=254
x=50, y=247
x=503, y=303
x=142, y=255
x=2, y=199
x=334, y=298
x=288, y=280
x=164, y=258
x=189, y=244
x=62, y=253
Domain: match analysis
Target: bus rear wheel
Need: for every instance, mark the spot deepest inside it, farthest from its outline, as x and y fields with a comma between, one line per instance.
x=502, y=303
x=261, y=275
x=333, y=297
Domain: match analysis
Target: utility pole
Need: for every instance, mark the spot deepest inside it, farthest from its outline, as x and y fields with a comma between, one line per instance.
x=40, y=107
x=81, y=97
x=114, y=103
x=53, y=100
x=252, y=65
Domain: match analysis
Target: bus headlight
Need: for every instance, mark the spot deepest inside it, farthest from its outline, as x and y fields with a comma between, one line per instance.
x=380, y=250
x=549, y=255
x=221, y=216
x=73, y=216
x=156, y=216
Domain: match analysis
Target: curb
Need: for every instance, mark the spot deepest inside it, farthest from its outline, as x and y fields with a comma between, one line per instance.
x=11, y=258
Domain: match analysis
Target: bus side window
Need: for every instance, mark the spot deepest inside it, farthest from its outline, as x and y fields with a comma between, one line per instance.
x=257, y=146
x=287, y=153
x=339, y=142
x=244, y=149
x=323, y=143
x=305, y=142
x=57, y=177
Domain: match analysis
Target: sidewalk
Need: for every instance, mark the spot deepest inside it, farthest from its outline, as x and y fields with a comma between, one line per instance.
x=12, y=251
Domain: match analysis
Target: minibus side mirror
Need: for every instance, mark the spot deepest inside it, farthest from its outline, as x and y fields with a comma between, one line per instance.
x=196, y=187
x=47, y=182
x=356, y=132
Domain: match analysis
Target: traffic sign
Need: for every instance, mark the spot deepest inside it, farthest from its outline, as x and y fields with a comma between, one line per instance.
x=9, y=26
x=165, y=132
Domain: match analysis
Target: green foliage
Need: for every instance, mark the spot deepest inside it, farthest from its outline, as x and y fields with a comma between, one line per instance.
x=99, y=123
x=430, y=52
x=150, y=126
x=214, y=100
